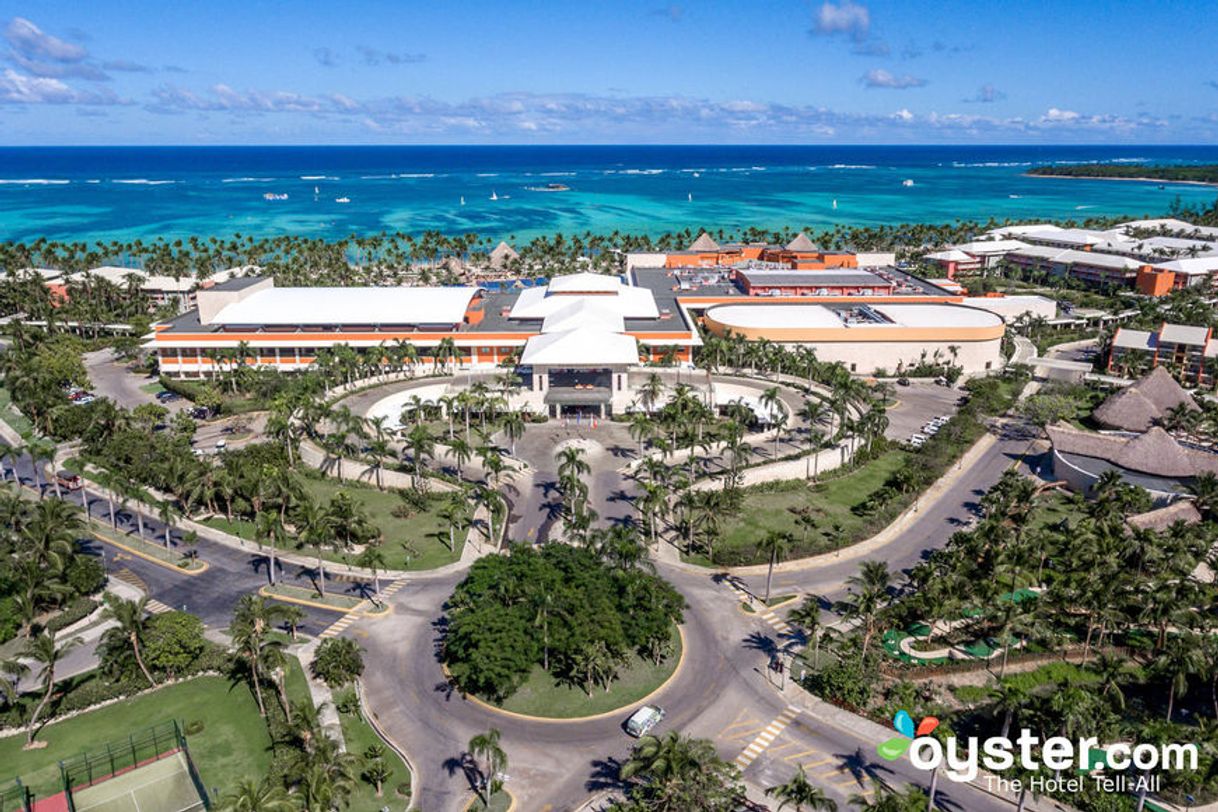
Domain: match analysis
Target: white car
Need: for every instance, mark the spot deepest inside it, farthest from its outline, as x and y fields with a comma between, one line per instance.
x=643, y=720
x=221, y=444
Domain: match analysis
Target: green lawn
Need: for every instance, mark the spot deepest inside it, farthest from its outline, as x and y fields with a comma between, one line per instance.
x=153, y=388
x=767, y=508
x=541, y=695
x=359, y=735
x=14, y=418
x=233, y=743
x=426, y=533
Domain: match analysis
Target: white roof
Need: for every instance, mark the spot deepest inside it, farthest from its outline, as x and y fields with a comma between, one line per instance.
x=584, y=283
x=1170, y=223
x=626, y=300
x=113, y=273
x=806, y=316
x=1190, y=266
x=1040, y=251
x=1098, y=260
x=584, y=312
x=984, y=247
x=1019, y=230
x=47, y=274
x=585, y=346
x=371, y=305
x=785, y=315
x=1184, y=334
x=933, y=315
x=1133, y=339
x=950, y=255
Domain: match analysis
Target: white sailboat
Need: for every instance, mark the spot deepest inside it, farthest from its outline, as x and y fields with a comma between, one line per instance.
x=691, y=197
x=462, y=200
x=835, y=203
x=494, y=195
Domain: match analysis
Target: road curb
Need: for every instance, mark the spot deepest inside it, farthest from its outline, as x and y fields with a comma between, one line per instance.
x=264, y=592
x=594, y=717
x=152, y=559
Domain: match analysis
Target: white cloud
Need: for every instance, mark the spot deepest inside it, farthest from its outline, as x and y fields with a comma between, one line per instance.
x=847, y=17
x=32, y=42
x=903, y=115
x=20, y=88
x=1056, y=115
x=878, y=77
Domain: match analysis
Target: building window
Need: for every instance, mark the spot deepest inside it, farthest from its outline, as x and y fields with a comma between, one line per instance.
x=989, y=364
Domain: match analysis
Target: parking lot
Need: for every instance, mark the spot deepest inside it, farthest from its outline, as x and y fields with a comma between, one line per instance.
x=917, y=404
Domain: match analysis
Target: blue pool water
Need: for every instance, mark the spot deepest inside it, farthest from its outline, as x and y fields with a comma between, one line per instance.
x=124, y=193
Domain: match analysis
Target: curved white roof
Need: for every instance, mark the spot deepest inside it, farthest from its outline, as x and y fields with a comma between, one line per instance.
x=935, y=315
x=791, y=316
x=584, y=347
x=383, y=305
x=808, y=316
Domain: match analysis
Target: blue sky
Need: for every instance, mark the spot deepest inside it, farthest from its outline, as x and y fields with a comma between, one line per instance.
x=607, y=71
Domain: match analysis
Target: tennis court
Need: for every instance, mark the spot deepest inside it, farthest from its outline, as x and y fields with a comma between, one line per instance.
x=162, y=786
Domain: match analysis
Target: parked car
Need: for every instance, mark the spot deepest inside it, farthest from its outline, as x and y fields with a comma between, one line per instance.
x=167, y=396
x=902, y=381
x=200, y=413
x=643, y=720
x=84, y=400
x=69, y=480
x=941, y=381
x=79, y=394
x=221, y=444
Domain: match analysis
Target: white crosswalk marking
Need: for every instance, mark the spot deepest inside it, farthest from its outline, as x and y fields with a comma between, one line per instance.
x=766, y=737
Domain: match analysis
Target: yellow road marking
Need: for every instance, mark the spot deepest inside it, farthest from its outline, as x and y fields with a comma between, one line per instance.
x=799, y=755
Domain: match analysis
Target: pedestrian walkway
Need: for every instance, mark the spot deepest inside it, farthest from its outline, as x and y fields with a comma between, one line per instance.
x=769, y=615
x=339, y=626
x=766, y=737
x=154, y=606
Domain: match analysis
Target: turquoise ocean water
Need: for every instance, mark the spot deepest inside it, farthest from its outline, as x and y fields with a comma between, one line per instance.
x=139, y=192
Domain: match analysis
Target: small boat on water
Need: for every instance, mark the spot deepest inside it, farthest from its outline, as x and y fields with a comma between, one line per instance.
x=494, y=195
x=1015, y=197
x=274, y=196
x=342, y=200
x=462, y=200
x=907, y=182
x=835, y=203
x=549, y=187
x=691, y=197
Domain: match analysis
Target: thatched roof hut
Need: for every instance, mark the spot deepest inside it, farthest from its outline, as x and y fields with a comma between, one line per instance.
x=802, y=245
x=1158, y=520
x=502, y=254
x=1144, y=403
x=704, y=243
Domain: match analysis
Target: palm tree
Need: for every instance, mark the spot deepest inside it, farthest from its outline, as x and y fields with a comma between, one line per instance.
x=807, y=617
x=513, y=427
x=44, y=650
x=422, y=446
x=489, y=762
x=868, y=593
x=799, y=794
x=252, y=621
x=774, y=544
x=131, y=617
x=257, y=796
x=1009, y=699
x=314, y=528
x=1179, y=660
x=41, y=453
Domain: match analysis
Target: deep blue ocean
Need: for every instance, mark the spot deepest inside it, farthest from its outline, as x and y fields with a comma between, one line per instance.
x=119, y=193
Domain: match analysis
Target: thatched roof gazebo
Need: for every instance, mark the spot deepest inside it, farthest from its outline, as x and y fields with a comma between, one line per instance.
x=1144, y=403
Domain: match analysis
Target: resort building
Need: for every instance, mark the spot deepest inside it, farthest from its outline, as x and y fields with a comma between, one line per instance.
x=869, y=336
x=1153, y=460
x=800, y=254
x=1185, y=350
x=1146, y=403
x=1174, y=254
x=971, y=257
x=284, y=328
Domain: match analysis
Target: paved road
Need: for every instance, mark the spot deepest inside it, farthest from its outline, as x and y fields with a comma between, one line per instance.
x=721, y=692
x=110, y=378
x=210, y=595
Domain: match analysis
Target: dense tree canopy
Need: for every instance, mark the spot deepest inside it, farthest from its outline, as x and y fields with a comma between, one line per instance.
x=559, y=607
